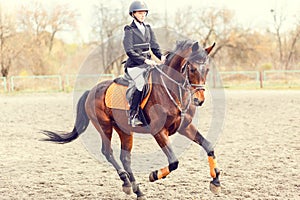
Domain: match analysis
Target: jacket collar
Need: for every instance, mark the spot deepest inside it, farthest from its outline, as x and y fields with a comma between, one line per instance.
x=139, y=33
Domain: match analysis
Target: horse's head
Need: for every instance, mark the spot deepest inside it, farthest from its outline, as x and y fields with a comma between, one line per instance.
x=197, y=69
x=191, y=61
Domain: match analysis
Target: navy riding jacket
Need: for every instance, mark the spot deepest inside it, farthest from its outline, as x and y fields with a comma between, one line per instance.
x=137, y=45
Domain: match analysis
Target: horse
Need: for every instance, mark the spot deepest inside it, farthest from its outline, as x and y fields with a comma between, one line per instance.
x=178, y=87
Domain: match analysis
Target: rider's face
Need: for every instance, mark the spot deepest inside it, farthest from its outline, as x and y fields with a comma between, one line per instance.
x=140, y=15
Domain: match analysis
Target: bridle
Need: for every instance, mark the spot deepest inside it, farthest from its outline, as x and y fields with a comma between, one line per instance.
x=184, y=87
x=196, y=87
x=181, y=87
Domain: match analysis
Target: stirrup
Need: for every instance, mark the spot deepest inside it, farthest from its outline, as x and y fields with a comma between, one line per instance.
x=134, y=121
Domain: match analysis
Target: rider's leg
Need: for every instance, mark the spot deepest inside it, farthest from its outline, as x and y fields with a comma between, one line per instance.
x=136, y=73
x=134, y=108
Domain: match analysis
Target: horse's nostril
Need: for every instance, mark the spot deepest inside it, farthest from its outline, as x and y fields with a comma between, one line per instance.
x=197, y=102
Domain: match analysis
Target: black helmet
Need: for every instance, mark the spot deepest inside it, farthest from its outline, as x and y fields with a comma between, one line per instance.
x=138, y=6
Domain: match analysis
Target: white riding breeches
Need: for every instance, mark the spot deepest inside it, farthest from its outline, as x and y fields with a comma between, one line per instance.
x=136, y=73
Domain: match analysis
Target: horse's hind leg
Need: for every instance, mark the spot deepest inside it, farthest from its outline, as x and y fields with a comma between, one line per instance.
x=105, y=130
x=192, y=133
x=125, y=157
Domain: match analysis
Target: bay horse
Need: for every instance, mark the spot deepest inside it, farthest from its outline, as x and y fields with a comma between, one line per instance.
x=177, y=89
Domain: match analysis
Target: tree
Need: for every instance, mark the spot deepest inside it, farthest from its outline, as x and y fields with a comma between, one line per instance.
x=211, y=25
x=294, y=39
x=7, y=51
x=286, y=41
x=41, y=27
x=61, y=19
x=278, y=21
x=108, y=32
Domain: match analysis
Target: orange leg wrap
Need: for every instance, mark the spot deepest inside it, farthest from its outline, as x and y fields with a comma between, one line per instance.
x=212, y=165
x=163, y=172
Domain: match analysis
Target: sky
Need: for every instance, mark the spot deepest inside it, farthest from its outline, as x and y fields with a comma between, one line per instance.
x=249, y=13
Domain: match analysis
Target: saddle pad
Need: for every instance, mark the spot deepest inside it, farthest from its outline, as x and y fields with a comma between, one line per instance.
x=115, y=96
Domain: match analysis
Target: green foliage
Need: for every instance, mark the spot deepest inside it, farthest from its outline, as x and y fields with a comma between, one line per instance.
x=265, y=66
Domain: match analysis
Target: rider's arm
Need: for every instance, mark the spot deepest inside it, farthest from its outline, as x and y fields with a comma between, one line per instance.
x=153, y=44
x=129, y=49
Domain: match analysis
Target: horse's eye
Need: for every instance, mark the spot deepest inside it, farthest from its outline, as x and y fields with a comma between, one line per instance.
x=193, y=70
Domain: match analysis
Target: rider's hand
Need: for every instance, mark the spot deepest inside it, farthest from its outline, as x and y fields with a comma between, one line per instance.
x=150, y=62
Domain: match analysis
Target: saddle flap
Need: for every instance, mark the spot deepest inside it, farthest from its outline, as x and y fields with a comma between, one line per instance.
x=124, y=80
x=115, y=96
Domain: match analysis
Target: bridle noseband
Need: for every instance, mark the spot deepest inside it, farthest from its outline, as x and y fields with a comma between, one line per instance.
x=192, y=86
x=184, y=86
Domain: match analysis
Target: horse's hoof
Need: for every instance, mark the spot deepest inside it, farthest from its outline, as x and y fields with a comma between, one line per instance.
x=153, y=176
x=215, y=189
x=127, y=189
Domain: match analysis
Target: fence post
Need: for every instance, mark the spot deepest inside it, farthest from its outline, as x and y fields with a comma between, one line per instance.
x=3, y=82
x=12, y=85
x=261, y=78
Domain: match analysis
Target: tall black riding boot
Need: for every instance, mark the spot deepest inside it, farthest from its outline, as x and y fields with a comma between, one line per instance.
x=134, y=108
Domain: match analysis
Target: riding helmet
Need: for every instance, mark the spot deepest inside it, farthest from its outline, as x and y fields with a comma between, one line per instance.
x=137, y=6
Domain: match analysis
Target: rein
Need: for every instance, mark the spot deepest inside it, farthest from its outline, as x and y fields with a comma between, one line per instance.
x=181, y=86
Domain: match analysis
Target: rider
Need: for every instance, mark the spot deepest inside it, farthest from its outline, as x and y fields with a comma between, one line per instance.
x=138, y=40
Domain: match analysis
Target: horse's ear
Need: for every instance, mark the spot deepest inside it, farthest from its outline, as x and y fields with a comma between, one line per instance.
x=195, y=47
x=208, y=49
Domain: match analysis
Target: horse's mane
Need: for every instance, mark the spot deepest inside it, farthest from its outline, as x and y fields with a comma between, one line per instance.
x=182, y=45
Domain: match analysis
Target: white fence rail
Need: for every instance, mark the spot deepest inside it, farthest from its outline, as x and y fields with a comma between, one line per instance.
x=228, y=79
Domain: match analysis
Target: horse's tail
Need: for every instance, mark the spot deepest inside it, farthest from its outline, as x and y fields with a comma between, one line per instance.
x=81, y=123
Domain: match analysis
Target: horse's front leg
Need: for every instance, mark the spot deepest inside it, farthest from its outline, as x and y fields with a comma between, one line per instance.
x=162, y=139
x=192, y=133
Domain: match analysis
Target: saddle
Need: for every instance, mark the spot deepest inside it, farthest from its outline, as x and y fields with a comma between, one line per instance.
x=118, y=94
